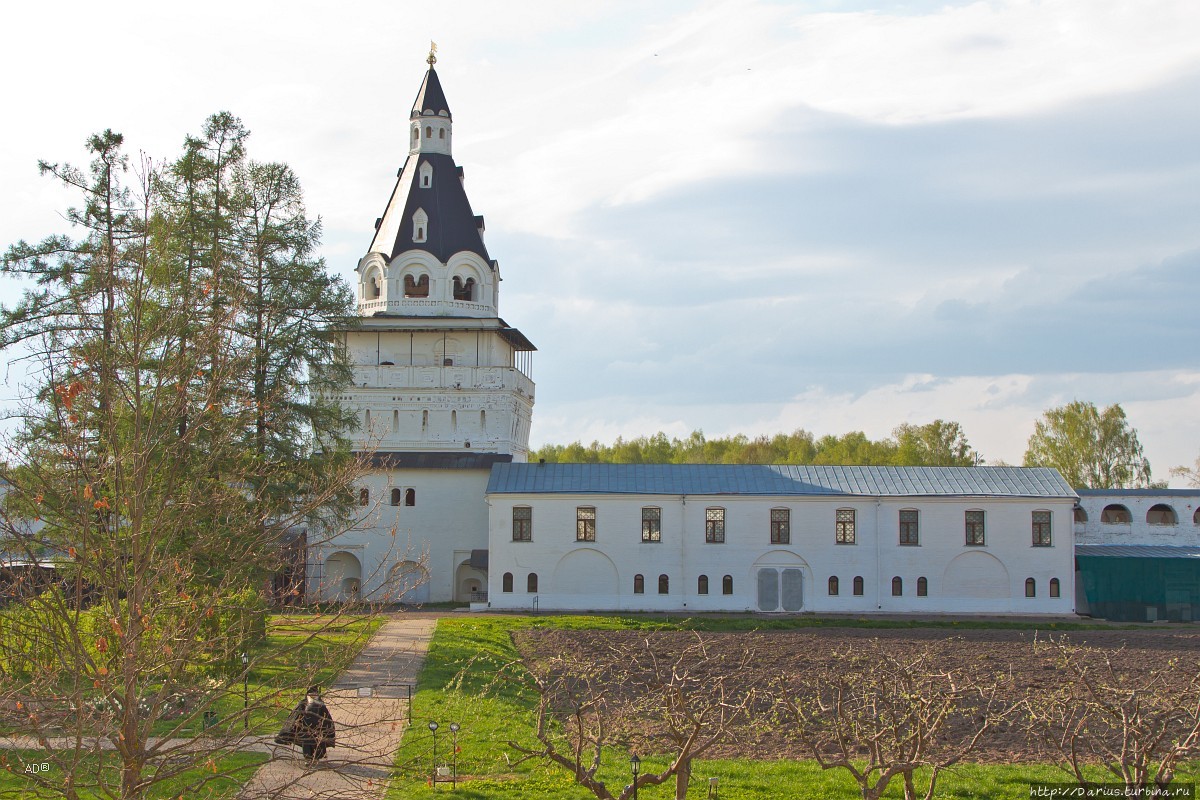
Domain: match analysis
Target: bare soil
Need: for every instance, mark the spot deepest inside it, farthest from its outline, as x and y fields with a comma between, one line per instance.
x=779, y=654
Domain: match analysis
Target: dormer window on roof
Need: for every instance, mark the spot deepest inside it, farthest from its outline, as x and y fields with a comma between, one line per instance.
x=420, y=226
x=426, y=175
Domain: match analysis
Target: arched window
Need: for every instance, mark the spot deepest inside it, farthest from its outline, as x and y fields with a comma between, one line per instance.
x=1196, y=517
x=464, y=290
x=364, y=497
x=395, y=497
x=1115, y=514
x=416, y=135
x=897, y=587
x=833, y=585
x=373, y=290
x=664, y=584
x=1080, y=515
x=428, y=131
x=416, y=287
x=1055, y=588
x=441, y=133
x=858, y=586
x=506, y=584
x=922, y=587
x=1161, y=514
x=1030, y=587
x=727, y=584
x=702, y=584
x=639, y=584
x=410, y=497
x=531, y=583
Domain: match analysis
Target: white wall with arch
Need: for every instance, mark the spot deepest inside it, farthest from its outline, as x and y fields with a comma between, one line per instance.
x=793, y=577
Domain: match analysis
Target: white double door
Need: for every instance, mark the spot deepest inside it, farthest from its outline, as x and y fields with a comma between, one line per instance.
x=780, y=589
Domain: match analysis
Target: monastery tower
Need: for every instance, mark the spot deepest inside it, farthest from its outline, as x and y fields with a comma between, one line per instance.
x=441, y=383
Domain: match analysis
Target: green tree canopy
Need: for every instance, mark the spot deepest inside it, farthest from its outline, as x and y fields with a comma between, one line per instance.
x=1092, y=448
x=938, y=443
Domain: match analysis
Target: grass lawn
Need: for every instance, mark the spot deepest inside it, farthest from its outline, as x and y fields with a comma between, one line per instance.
x=222, y=780
x=296, y=647
x=490, y=719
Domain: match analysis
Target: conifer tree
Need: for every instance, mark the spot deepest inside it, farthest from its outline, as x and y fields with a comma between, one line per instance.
x=166, y=343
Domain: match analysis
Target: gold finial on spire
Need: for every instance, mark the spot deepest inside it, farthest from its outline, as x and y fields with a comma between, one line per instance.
x=432, y=54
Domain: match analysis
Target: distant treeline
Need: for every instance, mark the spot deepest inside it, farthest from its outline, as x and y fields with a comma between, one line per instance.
x=938, y=443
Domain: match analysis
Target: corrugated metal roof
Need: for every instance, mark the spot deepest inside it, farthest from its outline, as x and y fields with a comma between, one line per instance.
x=1136, y=551
x=747, y=479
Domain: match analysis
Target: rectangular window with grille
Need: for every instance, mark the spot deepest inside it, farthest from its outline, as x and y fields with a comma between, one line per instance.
x=909, y=530
x=845, y=526
x=585, y=524
x=651, y=524
x=781, y=526
x=1041, y=529
x=714, y=525
x=522, y=524
x=974, y=520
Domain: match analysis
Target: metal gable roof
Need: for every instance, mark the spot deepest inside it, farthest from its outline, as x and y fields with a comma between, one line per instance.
x=777, y=480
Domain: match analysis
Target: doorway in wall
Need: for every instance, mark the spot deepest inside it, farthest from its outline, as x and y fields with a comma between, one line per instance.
x=780, y=589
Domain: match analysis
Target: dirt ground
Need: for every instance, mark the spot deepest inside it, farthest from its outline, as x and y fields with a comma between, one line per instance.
x=777, y=654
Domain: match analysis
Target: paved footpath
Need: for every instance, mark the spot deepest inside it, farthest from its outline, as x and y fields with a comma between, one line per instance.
x=368, y=727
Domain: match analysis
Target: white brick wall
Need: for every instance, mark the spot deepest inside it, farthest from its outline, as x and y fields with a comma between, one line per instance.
x=600, y=575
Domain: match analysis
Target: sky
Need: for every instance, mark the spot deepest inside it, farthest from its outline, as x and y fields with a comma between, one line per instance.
x=735, y=216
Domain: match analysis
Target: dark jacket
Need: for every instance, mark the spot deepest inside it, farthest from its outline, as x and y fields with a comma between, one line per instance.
x=310, y=723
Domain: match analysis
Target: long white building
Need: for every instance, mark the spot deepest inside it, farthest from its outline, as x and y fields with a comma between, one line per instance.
x=995, y=540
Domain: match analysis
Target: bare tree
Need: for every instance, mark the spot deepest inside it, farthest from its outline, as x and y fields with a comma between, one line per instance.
x=1190, y=474
x=687, y=704
x=882, y=717
x=1137, y=727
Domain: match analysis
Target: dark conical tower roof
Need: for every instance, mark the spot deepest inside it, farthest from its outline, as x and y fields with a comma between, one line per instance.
x=431, y=101
x=428, y=209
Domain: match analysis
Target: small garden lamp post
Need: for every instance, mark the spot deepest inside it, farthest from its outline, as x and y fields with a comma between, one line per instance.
x=245, y=692
x=433, y=726
x=454, y=756
x=635, y=766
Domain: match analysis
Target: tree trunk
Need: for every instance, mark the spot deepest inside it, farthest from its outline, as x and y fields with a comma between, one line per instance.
x=682, y=778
